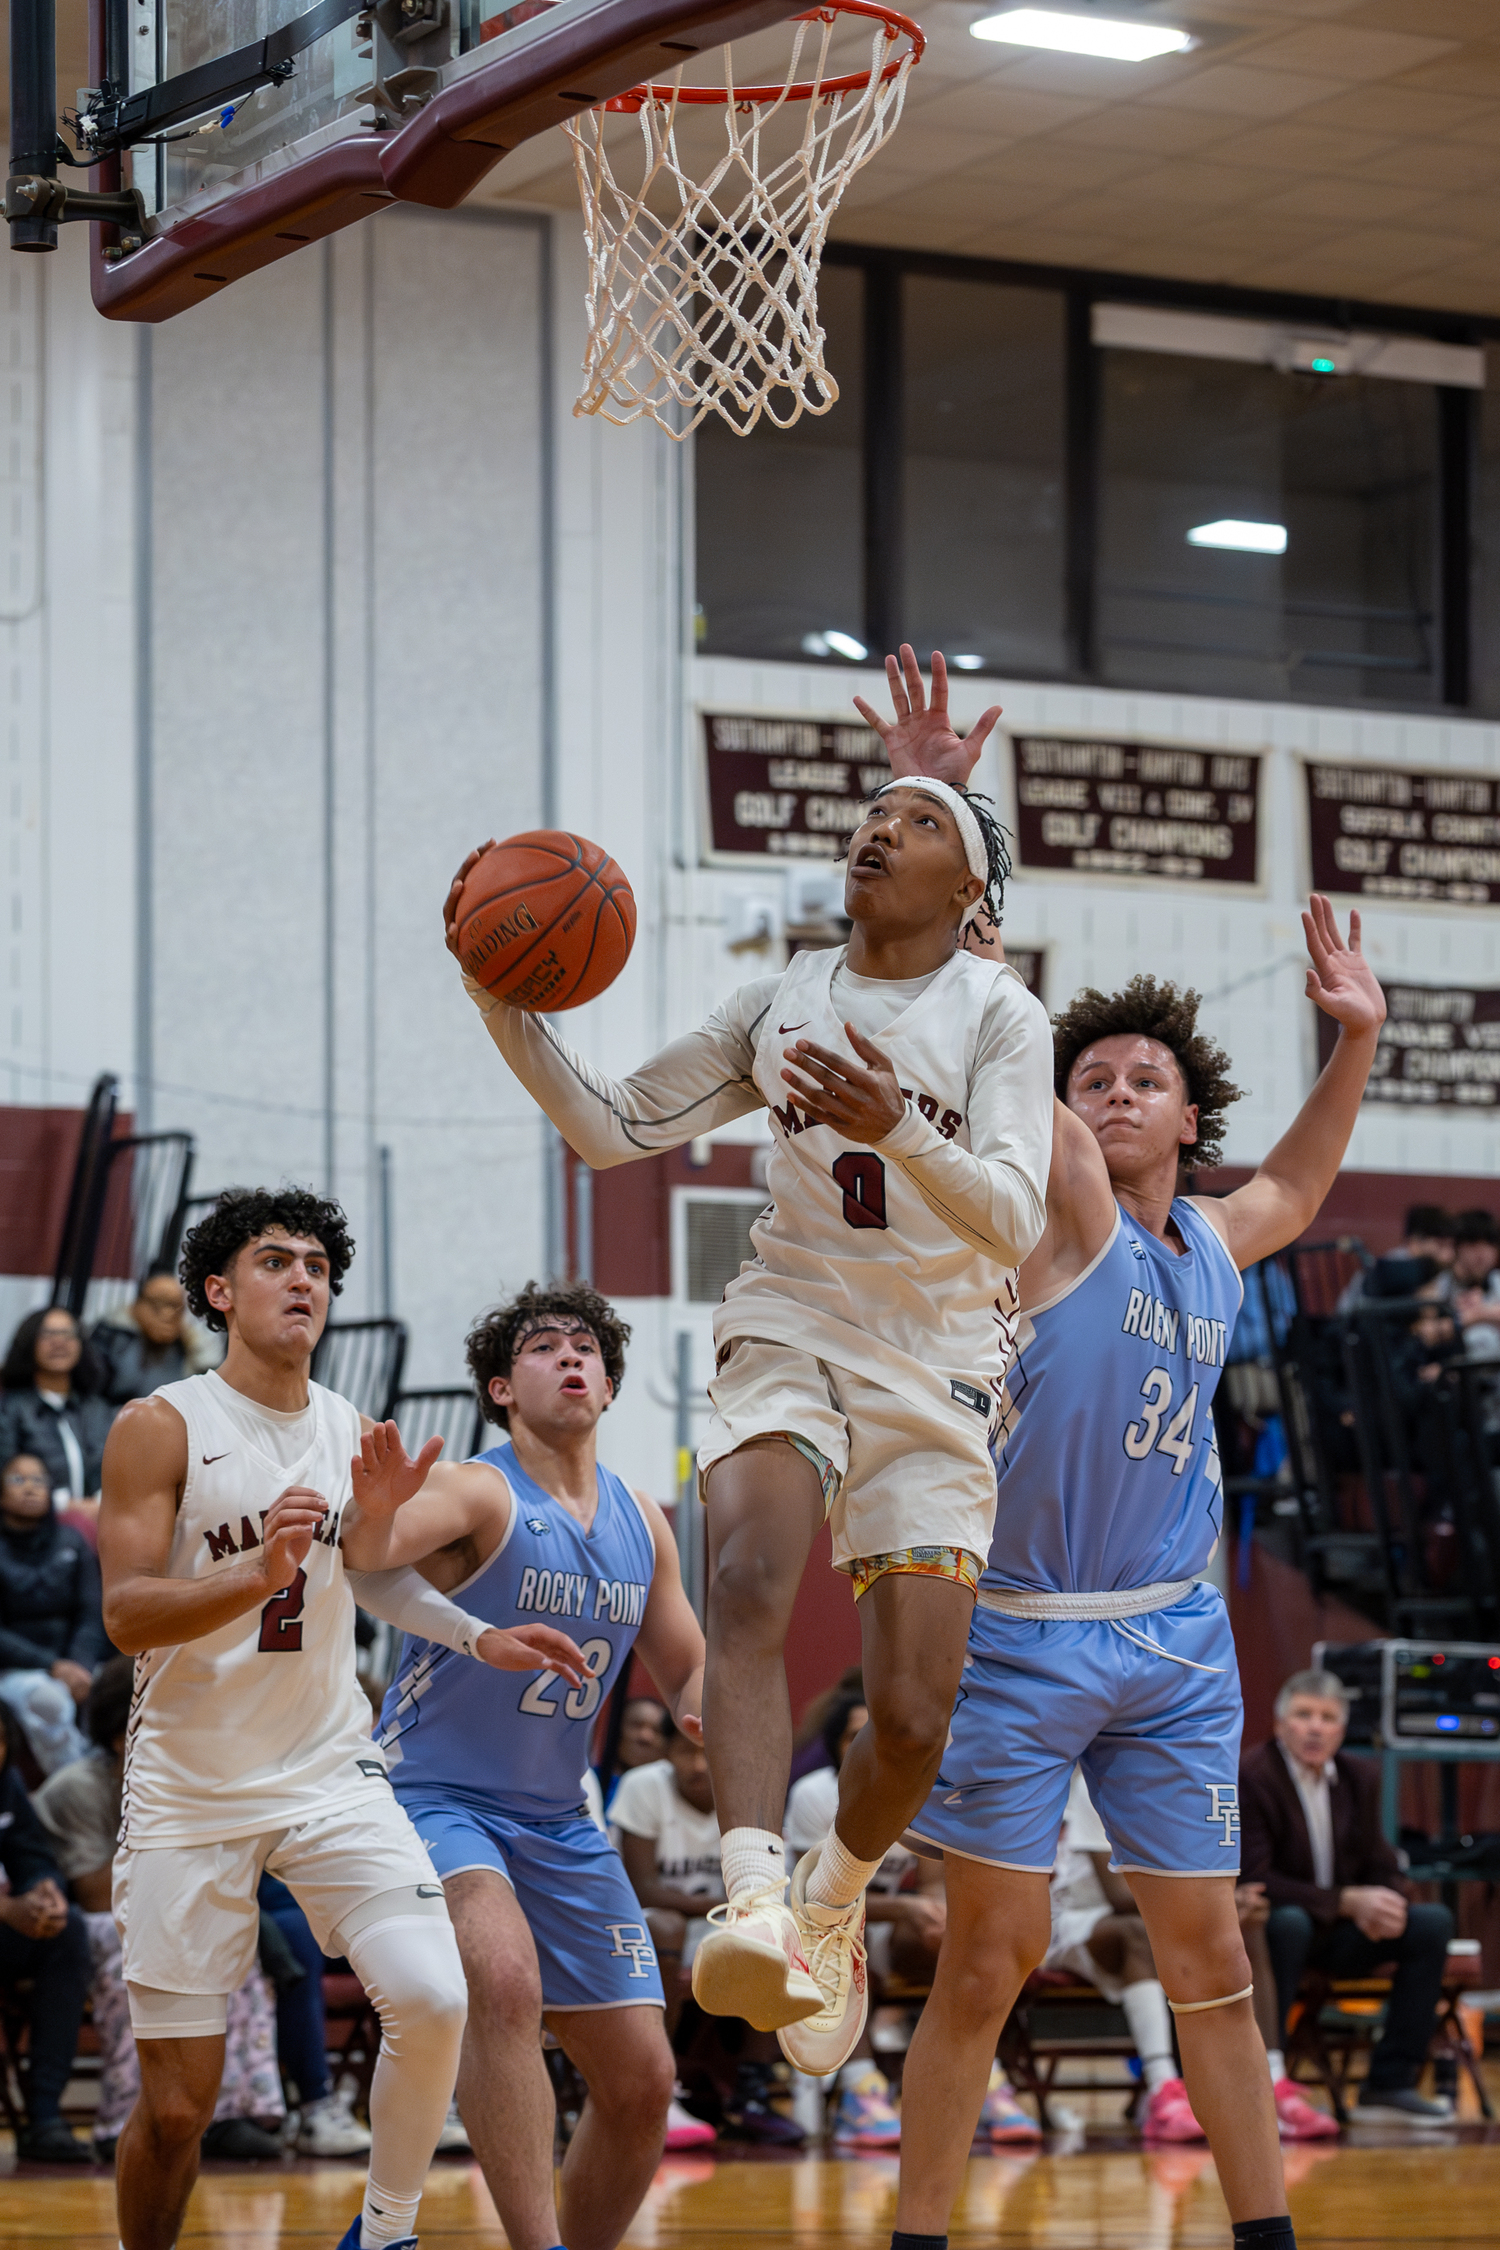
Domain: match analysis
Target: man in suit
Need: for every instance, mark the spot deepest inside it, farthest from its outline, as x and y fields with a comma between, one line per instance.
x=1310, y=1832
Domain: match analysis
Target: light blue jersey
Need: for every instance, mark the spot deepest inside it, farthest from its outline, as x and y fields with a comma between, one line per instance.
x=513, y=1741
x=1107, y=1460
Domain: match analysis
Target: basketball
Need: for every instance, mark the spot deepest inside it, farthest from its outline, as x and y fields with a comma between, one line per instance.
x=546, y=921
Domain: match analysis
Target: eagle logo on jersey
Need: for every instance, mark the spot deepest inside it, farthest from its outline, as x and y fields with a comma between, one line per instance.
x=537, y=1524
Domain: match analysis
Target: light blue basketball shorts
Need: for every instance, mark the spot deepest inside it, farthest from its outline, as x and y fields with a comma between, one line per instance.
x=1159, y=1743
x=592, y=1943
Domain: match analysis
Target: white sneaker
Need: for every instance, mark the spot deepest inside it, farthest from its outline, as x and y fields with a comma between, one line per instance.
x=329, y=2128
x=751, y=1963
x=452, y=2137
x=833, y=1941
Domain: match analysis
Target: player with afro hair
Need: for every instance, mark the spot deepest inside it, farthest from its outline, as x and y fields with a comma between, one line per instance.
x=1164, y=1012
x=241, y=1216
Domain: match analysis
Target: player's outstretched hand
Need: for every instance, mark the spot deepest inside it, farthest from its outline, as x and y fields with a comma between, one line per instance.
x=383, y=1473
x=861, y=1100
x=455, y=892
x=291, y=1522
x=1341, y=979
x=920, y=739
x=534, y=1648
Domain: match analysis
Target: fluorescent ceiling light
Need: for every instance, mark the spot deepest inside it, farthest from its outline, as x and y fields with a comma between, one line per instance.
x=1082, y=35
x=844, y=644
x=1242, y=538
x=968, y=663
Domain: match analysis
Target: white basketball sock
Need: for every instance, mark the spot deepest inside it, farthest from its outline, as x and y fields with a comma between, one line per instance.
x=386, y=2218
x=839, y=1879
x=1277, y=2061
x=409, y=1964
x=1150, y=2022
x=752, y=1859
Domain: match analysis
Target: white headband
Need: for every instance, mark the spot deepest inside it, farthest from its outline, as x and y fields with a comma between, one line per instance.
x=975, y=849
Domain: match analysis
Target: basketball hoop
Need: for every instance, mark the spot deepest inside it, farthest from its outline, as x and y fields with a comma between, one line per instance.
x=709, y=301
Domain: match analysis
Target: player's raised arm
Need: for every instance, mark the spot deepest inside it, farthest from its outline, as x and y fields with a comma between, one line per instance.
x=145, y=1464
x=1288, y=1191
x=692, y=1086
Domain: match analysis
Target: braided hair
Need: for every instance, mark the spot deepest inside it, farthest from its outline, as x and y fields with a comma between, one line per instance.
x=997, y=853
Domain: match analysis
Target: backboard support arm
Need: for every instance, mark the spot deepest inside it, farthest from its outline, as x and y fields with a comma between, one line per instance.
x=36, y=201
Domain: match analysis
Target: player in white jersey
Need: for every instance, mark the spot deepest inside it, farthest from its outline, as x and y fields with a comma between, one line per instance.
x=859, y=1353
x=1093, y=1641
x=225, y=1501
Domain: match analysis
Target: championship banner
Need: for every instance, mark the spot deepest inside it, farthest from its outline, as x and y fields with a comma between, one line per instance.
x=1172, y=815
x=1385, y=832
x=1439, y=1048
x=786, y=788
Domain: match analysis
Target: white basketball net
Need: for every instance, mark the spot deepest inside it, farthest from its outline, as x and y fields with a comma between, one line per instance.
x=709, y=301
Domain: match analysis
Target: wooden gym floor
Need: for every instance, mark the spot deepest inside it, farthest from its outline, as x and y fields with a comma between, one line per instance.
x=1440, y=2189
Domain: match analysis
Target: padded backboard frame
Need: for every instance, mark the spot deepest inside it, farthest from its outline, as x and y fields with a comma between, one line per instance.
x=501, y=93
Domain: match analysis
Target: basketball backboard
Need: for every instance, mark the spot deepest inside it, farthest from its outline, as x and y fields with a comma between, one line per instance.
x=252, y=127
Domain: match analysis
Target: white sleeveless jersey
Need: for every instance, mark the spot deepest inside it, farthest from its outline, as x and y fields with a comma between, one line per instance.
x=264, y=1722
x=853, y=1264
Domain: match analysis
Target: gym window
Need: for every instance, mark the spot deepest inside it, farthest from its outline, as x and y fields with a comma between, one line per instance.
x=1093, y=478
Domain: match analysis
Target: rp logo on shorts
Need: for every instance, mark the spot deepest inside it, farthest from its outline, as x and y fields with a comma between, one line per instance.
x=1224, y=1812
x=632, y=1943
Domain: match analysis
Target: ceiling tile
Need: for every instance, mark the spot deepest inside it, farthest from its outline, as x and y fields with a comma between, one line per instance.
x=1299, y=147
x=1401, y=111
x=1191, y=188
x=1155, y=132
x=1349, y=200
x=1443, y=19
x=995, y=109
x=1438, y=164
x=1235, y=90
x=1475, y=70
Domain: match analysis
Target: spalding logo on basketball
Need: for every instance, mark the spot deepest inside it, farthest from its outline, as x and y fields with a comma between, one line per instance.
x=545, y=921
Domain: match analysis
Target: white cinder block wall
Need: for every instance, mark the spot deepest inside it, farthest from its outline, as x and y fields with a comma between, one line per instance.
x=316, y=585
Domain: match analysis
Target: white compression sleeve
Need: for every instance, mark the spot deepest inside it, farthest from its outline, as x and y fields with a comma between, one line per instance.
x=404, y=1598
x=408, y=1961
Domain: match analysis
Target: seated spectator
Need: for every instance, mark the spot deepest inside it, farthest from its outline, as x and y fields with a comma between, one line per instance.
x=42, y=1942
x=1429, y=1233
x=51, y=1407
x=51, y=1624
x=326, y=2125
x=1475, y=1283
x=663, y=1821
x=152, y=1340
x=79, y=1808
x=643, y=1742
x=903, y=1931
x=1310, y=1832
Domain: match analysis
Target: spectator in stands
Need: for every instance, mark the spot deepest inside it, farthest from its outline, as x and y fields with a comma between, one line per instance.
x=152, y=1340
x=1476, y=1283
x=903, y=1930
x=663, y=1820
x=1429, y=1234
x=51, y=1407
x=79, y=1808
x=44, y=1945
x=326, y=2125
x=1310, y=1832
x=643, y=1742
x=51, y=1625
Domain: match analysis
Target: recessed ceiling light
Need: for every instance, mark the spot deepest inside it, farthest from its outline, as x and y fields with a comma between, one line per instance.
x=1082, y=35
x=1243, y=538
x=844, y=644
x=968, y=663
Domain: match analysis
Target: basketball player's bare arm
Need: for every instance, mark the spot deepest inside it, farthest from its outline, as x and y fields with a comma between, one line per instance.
x=1288, y=1191
x=697, y=1083
x=145, y=1467
x=670, y=1641
x=396, y=1516
x=1080, y=1211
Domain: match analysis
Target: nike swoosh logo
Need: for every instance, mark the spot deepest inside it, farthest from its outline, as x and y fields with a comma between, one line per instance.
x=210, y=1458
x=784, y=1028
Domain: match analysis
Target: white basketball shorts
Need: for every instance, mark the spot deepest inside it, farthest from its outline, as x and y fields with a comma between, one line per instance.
x=187, y=1913
x=905, y=1475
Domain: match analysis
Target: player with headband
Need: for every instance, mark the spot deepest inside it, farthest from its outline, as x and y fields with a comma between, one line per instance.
x=1094, y=1640
x=908, y=1088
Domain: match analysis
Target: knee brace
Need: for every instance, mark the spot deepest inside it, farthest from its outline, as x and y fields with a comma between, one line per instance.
x=401, y=1946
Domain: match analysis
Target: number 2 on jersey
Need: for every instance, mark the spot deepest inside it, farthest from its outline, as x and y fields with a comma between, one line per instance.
x=281, y=1619
x=1176, y=1439
x=583, y=1702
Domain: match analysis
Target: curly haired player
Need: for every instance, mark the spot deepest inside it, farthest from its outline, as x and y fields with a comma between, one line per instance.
x=229, y=1500
x=1094, y=1641
x=908, y=1085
